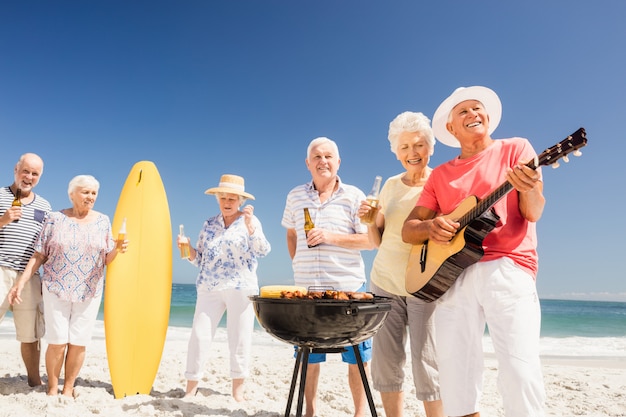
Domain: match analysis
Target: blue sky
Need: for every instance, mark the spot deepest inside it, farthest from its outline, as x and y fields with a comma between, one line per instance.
x=203, y=88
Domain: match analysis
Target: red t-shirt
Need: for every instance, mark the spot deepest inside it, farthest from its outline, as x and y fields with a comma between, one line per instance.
x=454, y=181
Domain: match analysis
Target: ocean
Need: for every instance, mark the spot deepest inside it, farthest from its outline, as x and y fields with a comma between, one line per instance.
x=568, y=328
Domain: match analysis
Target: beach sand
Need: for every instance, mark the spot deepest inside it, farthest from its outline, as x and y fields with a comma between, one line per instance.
x=575, y=386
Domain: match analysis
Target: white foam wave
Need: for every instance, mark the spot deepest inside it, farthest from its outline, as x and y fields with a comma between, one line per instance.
x=588, y=347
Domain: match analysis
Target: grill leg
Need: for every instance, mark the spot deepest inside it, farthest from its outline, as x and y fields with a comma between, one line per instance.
x=301, y=358
x=294, y=379
x=366, y=385
x=305, y=365
x=302, y=363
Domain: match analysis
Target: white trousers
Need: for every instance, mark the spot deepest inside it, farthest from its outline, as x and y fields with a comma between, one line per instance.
x=504, y=297
x=210, y=307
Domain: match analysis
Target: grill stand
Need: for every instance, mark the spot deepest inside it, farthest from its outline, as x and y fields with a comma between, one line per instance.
x=303, y=358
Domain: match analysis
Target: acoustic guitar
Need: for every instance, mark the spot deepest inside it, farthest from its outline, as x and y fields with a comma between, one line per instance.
x=433, y=267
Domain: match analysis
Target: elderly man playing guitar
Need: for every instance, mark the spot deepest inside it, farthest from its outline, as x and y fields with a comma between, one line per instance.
x=498, y=287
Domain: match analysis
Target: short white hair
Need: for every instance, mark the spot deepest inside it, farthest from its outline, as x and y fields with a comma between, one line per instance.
x=319, y=141
x=32, y=158
x=82, y=181
x=410, y=122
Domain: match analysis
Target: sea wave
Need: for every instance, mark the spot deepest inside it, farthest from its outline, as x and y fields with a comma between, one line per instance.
x=576, y=346
x=565, y=347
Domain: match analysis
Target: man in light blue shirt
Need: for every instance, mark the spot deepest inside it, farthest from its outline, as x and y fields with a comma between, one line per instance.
x=329, y=256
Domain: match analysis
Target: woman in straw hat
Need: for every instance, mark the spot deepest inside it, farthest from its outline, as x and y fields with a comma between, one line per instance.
x=227, y=253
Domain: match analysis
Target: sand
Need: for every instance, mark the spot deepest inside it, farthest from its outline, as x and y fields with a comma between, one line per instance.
x=576, y=386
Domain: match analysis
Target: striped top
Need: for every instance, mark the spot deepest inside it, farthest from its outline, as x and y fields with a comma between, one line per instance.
x=325, y=265
x=17, y=238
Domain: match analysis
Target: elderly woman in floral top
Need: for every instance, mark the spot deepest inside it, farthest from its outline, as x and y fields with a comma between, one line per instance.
x=74, y=246
x=226, y=253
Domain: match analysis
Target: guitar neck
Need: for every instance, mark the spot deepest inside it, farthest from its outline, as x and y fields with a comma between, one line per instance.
x=572, y=143
x=485, y=204
x=489, y=201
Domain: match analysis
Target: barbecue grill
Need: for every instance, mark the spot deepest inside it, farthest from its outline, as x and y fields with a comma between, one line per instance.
x=321, y=326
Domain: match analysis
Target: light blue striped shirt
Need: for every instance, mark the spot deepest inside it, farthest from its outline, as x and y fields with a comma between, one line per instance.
x=326, y=266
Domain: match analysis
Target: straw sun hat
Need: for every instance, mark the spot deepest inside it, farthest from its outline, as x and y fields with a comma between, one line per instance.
x=485, y=95
x=229, y=183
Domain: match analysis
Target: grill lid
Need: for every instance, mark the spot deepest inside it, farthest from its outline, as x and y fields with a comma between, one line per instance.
x=321, y=322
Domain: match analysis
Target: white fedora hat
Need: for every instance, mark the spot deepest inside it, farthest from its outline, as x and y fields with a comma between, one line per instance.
x=485, y=95
x=233, y=184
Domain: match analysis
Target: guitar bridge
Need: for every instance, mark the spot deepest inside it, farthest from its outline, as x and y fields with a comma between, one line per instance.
x=423, y=257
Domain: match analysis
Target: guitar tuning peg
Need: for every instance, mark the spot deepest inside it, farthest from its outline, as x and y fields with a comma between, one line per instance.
x=555, y=165
x=577, y=152
x=565, y=159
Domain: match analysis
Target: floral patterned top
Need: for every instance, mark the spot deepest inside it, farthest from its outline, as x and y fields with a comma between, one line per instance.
x=227, y=256
x=76, y=254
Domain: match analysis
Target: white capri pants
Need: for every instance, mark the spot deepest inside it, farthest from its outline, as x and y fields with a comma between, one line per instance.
x=504, y=296
x=210, y=307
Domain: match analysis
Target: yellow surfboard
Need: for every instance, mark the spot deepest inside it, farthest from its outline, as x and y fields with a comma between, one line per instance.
x=138, y=285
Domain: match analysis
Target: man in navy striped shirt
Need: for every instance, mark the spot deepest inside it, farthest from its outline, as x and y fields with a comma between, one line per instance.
x=19, y=226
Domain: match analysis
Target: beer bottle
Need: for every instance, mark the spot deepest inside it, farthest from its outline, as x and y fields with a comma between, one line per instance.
x=16, y=201
x=308, y=225
x=121, y=235
x=372, y=200
x=184, y=246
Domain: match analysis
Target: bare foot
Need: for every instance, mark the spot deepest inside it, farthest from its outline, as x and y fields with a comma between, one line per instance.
x=192, y=389
x=34, y=382
x=53, y=390
x=238, y=390
x=69, y=392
